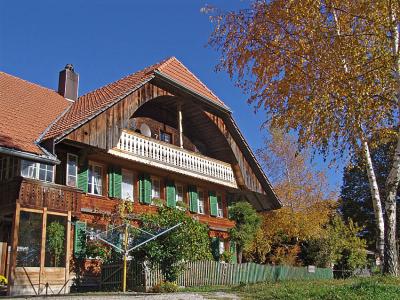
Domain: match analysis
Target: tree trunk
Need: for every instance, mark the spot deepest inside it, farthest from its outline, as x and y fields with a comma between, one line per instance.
x=376, y=203
x=391, y=263
x=392, y=183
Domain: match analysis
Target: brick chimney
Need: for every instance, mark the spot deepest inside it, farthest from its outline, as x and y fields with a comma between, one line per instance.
x=68, y=83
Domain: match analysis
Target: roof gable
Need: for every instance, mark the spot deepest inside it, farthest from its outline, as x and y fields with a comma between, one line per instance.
x=92, y=103
x=26, y=110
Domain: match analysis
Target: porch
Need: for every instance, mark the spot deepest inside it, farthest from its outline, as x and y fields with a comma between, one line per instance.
x=30, y=212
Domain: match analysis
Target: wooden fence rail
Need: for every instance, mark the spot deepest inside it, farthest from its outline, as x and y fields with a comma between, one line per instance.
x=205, y=273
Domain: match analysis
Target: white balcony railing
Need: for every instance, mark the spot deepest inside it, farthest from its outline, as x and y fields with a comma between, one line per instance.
x=175, y=159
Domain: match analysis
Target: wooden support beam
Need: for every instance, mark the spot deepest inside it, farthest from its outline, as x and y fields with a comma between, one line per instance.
x=43, y=246
x=180, y=129
x=14, y=244
x=68, y=247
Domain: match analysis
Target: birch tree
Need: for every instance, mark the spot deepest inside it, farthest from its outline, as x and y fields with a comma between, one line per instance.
x=327, y=69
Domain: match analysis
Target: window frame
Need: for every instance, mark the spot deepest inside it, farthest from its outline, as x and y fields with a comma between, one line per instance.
x=132, y=176
x=163, y=132
x=46, y=170
x=93, y=164
x=201, y=201
x=178, y=184
x=9, y=167
x=152, y=179
x=221, y=246
x=67, y=170
x=37, y=169
x=220, y=210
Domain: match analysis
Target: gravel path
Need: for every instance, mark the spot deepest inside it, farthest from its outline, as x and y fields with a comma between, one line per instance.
x=172, y=296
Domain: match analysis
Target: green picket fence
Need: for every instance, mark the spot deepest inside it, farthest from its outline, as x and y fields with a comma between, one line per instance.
x=206, y=273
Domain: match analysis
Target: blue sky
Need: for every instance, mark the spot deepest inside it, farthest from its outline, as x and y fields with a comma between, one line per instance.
x=106, y=40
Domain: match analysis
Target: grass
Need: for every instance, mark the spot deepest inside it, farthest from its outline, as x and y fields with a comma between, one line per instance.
x=381, y=288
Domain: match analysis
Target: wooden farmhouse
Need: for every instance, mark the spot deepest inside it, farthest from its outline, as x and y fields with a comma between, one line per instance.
x=159, y=133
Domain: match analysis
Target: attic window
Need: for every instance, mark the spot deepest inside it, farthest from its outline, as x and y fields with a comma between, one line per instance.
x=165, y=137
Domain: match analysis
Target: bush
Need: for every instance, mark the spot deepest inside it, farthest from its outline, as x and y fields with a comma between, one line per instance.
x=226, y=257
x=189, y=242
x=98, y=250
x=165, y=287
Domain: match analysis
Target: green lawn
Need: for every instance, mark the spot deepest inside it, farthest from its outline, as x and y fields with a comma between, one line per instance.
x=379, y=288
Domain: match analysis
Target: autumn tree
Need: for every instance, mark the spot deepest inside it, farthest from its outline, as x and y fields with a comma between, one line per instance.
x=329, y=70
x=307, y=205
x=340, y=245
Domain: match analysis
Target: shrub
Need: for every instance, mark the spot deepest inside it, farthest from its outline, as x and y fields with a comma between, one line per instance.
x=189, y=242
x=55, y=240
x=165, y=287
x=97, y=249
x=226, y=256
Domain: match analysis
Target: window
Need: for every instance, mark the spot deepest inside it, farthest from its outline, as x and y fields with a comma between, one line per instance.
x=8, y=167
x=46, y=172
x=220, y=213
x=179, y=192
x=72, y=169
x=165, y=137
x=155, y=187
x=127, y=185
x=4, y=161
x=36, y=170
x=221, y=247
x=29, y=239
x=95, y=185
x=28, y=168
x=201, y=202
x=93, y=230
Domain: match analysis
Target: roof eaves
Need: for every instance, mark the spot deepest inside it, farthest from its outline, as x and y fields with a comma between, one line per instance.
x=30, y=156
x=180, y=85
x=92, y=116
x=254, y=159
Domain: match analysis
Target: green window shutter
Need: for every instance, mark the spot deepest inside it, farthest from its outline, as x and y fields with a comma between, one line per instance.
x=114, y=182
x=83, y=177
x=232, y=249
x=171, y=194
x=147, y=198
x=79, y=238
x=193, y=199
x=111, y=182
x=141, y=189
x=145, y=189
x=215, y=248
x=213, y=204
x=117, y=182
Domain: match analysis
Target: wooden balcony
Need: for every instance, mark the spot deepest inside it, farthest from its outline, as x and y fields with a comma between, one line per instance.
x=37, y=194
x=136, y=147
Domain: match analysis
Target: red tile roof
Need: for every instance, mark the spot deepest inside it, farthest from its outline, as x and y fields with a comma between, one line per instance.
x=176, y=70
x=93, y=102
x=26, y=111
